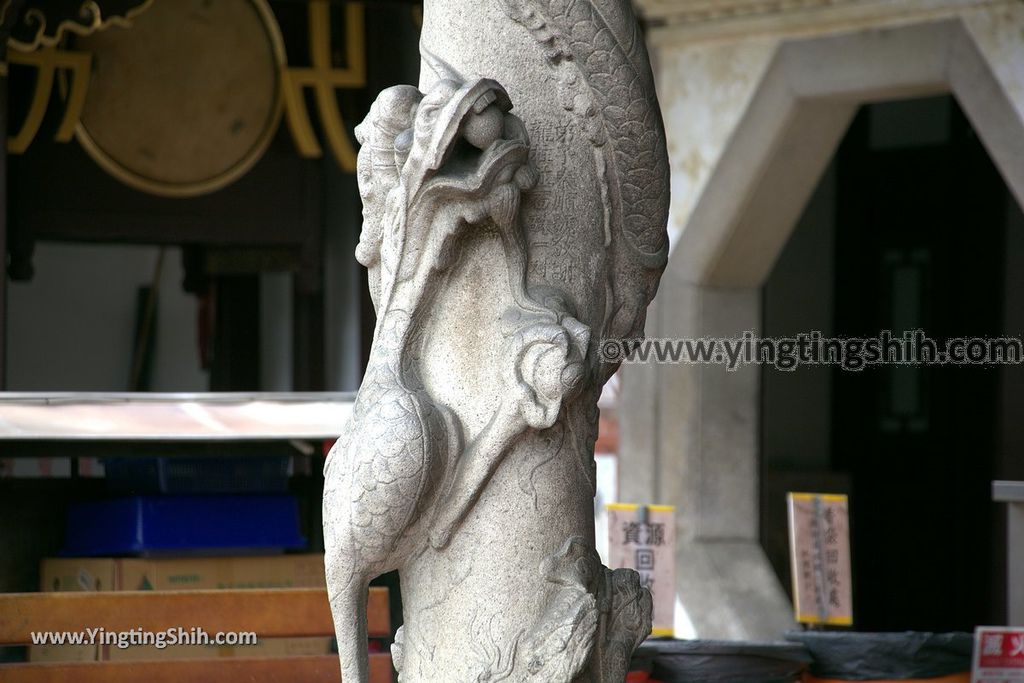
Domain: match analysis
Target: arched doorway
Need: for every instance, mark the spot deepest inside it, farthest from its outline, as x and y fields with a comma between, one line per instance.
x=695, y=431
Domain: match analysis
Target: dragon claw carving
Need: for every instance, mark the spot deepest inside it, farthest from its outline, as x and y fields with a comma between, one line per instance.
x=595, y=618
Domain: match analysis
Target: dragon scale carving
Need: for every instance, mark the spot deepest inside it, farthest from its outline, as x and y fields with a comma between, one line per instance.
x=600, y=60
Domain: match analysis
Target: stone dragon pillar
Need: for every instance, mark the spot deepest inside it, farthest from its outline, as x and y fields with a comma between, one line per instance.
x=515, y=205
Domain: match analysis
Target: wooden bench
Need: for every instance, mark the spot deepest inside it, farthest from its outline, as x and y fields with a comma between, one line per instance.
x=269, y=613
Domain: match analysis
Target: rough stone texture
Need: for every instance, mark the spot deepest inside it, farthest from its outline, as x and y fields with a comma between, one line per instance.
x=502, y=244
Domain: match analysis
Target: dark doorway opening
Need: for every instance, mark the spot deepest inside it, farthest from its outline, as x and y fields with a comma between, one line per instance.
x=913, y=221
x=920, y=233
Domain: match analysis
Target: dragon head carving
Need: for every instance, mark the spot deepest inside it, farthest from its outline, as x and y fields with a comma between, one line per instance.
x=431, y=164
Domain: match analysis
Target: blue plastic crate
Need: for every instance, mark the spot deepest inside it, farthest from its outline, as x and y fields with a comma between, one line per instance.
x=143, y=525
x=182, y=475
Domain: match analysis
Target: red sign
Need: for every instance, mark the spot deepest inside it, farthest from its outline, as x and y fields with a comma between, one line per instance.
x=998, y=655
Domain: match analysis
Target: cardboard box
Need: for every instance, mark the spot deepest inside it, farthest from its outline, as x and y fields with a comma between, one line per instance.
x=169, y=574
x=267, y=647
x=63, y=653
x=85, y=574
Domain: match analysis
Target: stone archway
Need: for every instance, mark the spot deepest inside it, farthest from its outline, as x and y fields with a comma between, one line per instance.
x=749, y=134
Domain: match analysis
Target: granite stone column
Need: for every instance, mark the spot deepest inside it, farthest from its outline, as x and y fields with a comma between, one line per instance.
x=514, y=220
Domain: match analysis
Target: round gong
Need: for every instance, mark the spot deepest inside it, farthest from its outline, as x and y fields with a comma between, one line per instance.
x=186, y=100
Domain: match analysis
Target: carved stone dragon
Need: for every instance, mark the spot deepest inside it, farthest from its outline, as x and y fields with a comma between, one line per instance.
x=428, y=470
x=431, y=168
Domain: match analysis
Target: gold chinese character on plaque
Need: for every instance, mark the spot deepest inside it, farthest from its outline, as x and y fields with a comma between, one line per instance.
x=47, y=61
x=190, y=96
x=187, y=100
x=324, y=78
x=35, y=33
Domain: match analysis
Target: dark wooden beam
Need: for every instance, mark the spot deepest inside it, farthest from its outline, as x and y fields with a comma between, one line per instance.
x=3, y=224
x=236, y=343
x=13, y=10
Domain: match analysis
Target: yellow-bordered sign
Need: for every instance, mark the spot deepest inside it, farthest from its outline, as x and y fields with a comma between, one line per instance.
x=819, y=544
